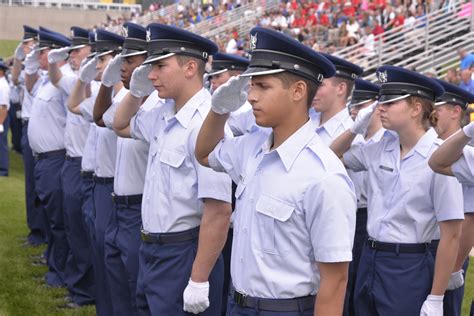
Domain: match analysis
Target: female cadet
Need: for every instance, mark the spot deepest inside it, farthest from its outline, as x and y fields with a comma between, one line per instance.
x=397, y=274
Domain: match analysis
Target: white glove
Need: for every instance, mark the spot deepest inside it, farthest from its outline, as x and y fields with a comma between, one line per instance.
x=1, y=128
x=456, y=280
x=140, y=85
x=432, y=306
x=32, y=62
x=469, y=130
x=111, y=73
x=362, y=120
x=57, y=55
x=88, y=72
x=196, y=297
x=19, y=52
x=230, y=96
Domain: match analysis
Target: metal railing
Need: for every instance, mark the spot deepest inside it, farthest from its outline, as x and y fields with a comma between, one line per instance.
x=74, y=4
x=168, y=11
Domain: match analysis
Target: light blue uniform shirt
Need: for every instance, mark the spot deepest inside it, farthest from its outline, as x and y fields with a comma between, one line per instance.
x=48, y=118
x=106, y=145
x=463, y=170
x=86, y=108
x=132, y=154
x=406, y=198
x=333, y=127
x=175, y=183
x=4, y=93
x=295, y=206
x=28, y=98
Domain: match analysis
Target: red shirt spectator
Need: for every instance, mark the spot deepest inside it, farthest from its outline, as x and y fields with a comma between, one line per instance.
x=324, y=20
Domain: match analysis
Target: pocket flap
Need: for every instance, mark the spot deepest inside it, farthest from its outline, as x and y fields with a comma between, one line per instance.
x=274, y=208
x=172, y=157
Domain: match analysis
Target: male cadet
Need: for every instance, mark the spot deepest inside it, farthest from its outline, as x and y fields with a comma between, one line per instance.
x=292, y=235
x=35, y=215
x=46, y=130
x=332, y=117
x=79, y=273
x=122, y=238
x=186, y=207
x=449, y=110
x=4, y=119
x=107, y=46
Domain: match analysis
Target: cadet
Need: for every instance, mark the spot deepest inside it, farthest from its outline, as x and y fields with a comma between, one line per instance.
x=406, y=200
x=292, y=235
x=329, y=110
x=79, y=273
x=35, y=215
x=186, y=207
x=4, y=119
x=47, y=145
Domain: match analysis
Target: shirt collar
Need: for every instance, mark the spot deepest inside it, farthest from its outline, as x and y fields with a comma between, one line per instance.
x=422, y=147
x=186, y=113
x=332, y=125
x=292, y=147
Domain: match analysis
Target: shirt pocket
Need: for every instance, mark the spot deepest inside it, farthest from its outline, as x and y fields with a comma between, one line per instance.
x=173, y=173
x=273, y=226
x=44, y=102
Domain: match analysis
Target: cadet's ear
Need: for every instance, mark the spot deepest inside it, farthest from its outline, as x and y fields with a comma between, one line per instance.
x=299, y=90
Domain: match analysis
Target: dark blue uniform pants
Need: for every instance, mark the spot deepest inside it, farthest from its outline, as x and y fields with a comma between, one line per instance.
x=163, y=275
x=79, y=272
x=392, y=284
x=122, y=243
x=4, y=155
x=235, y=310
x=88, y=211
x=15, y=126
x=49, y=190
x=35, y=215
x=452, y=304
x=103, y=206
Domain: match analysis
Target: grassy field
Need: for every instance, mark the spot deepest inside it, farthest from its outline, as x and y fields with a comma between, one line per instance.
x=7, y=48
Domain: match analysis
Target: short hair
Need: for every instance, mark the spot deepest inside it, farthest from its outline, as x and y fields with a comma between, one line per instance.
x=182, y=59
x=349, y=85
x=428, y=117
x=288, y=78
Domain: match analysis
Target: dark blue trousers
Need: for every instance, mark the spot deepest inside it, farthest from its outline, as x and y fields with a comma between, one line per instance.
x=4, y=152
x=452, y=304
x=360, y=237
x=15, y=126
x=103, y=206
x=392, y=284
x=35, y=215
x=235, y=310
x=227, y=256
x=163, y=275
x=88, y=211
x=122, y=243
x=79, y=271
x=49, y=190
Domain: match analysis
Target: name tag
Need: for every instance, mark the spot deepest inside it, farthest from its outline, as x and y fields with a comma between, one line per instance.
x=386, y=168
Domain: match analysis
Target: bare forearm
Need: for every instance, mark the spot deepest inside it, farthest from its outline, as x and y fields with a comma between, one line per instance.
x=446, y=255
x=466, y=242
x=16, y=71
x=342, y=144
x=211, y=133
x=78, y=95
x=332, y=291
x=448, y=153
x=54, y=73
x=102, y=103
x=212, y=237
x=30, y=81
x=3, y=113
x=126, y=109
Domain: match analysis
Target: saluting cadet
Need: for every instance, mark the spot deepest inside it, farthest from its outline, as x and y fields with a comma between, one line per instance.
x=292, y=235
x=122, y=238
x=79, y=273
x=365, y=93
x=329, y=111
x=47, y=144
x=186, y=207
x=35, y=215
x=4, y=119
x=406, y=201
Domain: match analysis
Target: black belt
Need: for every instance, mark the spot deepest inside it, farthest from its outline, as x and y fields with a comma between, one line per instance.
x=103, y=180
x=397, y=248
x=51, y=154
x=75, y=159
x=87, y=175
x=435, y=243
x=170, y=238
x=297, y=304
x=127, y=199
x=362, y=210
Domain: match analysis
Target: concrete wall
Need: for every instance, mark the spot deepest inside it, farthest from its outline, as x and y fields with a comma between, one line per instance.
x=13, y=18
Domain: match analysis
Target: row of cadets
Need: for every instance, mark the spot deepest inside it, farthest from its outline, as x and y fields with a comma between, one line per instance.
x=454, y=158
x=79, y=276
x=47, y=144
x=186, y=207
x=406, y=201
x=292, y=235
x=35, y=215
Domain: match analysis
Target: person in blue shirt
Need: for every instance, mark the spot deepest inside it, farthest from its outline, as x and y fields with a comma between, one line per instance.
x=466, y=82
x=467, y=59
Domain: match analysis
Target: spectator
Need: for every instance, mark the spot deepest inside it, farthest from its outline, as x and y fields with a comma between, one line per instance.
x=466, y=82
x=452, y=76
x=467, y=59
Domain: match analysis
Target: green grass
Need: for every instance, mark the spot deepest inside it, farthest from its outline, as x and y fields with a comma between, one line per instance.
x=7, y=48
